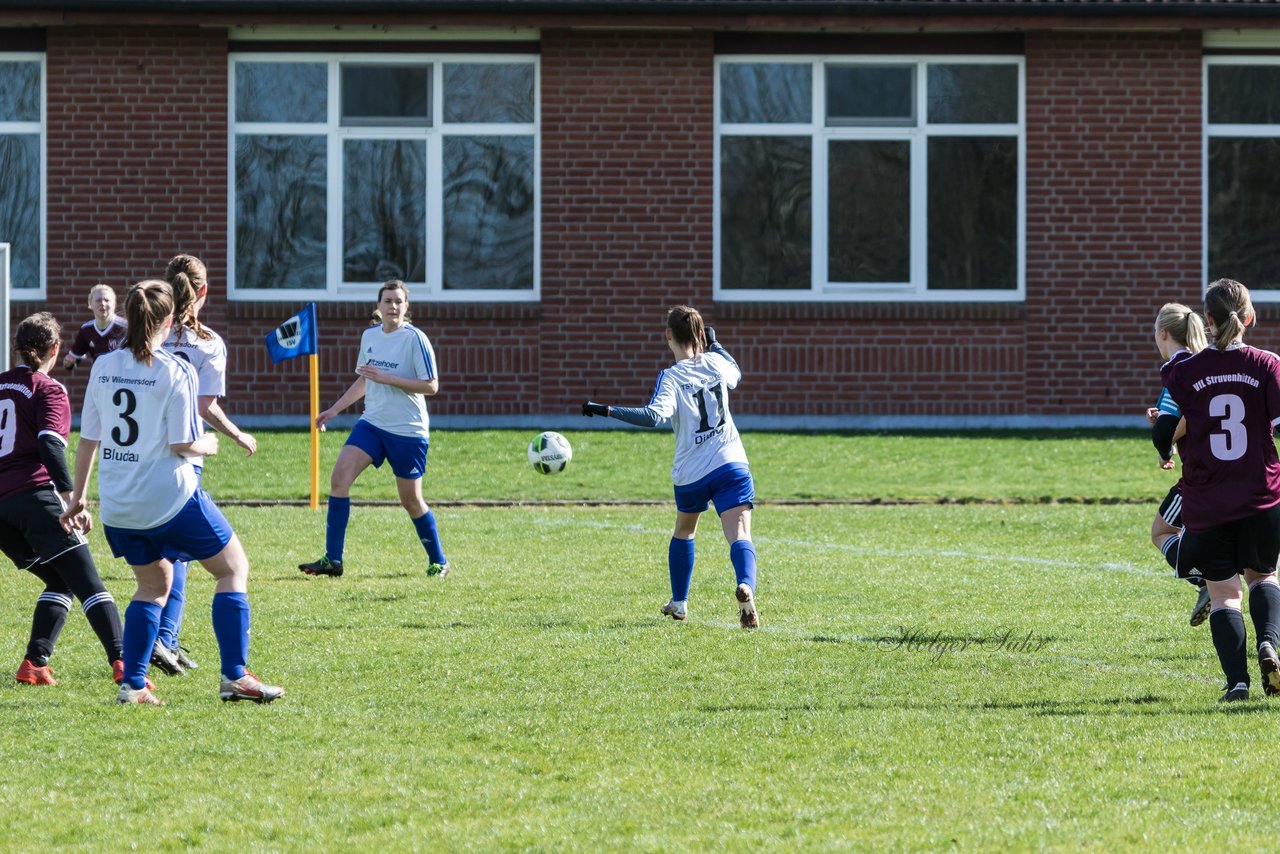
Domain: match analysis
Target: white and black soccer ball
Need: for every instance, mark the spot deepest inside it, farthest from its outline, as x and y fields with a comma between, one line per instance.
x=549, y=453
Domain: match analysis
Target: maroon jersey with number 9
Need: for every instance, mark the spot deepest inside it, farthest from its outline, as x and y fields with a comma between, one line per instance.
x=1231, y=401
x=31, y=404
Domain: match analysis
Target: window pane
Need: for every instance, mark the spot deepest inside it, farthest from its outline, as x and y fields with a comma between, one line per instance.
x=871, y=94
x=384, y=210
x=282, y=92
x=973, y=94
x=487, y=92
x=488, y=220
x=280, y=212
x=768, y=92
x=765, y=219
x=973, y=213
x=1244, y=232
x=20, y=206
x=19, y=91
x=1244, y=94
x=869, y=211
x=386, y=95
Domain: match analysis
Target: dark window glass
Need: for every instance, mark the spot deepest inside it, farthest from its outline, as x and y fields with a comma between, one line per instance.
x=1244, y=232
x=766, y=93
x=488, y=220
x=282, y=92
x=488, y=92
x=869, y=211
x=973, y=94
x=765, y=225
x=280, y=212
x=1244, y=94
x=20, y=206
x=19, y=91
x=386, y=95
x=871, y=94
x=384, y=210
x=973, y=213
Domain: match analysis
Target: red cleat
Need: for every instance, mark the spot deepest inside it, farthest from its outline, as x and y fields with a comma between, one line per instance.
x=33, y=675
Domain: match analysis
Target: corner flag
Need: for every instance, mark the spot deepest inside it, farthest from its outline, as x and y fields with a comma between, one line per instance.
x=295, y=337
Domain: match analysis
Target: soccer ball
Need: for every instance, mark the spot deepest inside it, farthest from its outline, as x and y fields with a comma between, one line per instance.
x=549, y=453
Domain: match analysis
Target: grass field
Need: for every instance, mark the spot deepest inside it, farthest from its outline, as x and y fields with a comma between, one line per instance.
x=1005, y=665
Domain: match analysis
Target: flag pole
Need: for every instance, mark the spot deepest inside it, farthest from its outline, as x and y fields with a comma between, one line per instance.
x=313, y=361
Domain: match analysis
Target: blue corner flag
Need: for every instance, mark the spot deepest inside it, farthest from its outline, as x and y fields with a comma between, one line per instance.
x=295, y=337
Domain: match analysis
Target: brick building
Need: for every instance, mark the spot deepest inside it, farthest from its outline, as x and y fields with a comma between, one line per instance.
x=929, y=212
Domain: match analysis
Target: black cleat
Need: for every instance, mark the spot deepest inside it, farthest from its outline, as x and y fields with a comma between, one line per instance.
x=180, y=653
x=323, y=566
x=163, y=657
x=1269, y=664
x=1200, y=612
x=1236, y=694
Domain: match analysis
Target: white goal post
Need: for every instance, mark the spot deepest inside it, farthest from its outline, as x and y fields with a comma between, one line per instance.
x=4, y=306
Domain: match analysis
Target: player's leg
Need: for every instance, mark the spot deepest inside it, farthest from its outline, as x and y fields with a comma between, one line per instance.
x=424, y=523
x=231, y=623
x=681, y=553
x=736, y=523
x=1166, y=535
x=1260, y=538
x=352, y=460
x=141, y=625
x=50, y=615
x=79, y=575
x=1226, y=625
x=165, y=653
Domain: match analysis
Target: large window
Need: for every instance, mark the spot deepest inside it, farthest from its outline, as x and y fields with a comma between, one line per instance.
x=22, y=159
x=350, y=170
x=869, y=178
x=1242, y=172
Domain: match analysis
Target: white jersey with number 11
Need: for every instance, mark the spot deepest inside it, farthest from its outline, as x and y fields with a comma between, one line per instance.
x=694, y=394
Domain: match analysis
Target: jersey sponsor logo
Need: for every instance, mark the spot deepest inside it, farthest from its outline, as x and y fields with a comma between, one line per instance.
x=378, y=363
x=121, y=456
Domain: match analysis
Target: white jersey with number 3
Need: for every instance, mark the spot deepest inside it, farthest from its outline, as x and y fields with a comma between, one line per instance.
x=407, y=353
x=694, y=394
x=135, y=412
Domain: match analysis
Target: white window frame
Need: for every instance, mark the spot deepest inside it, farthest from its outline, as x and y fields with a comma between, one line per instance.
x=1271, y=131
x=13, y=128
x=916, y=289
x=335, y=133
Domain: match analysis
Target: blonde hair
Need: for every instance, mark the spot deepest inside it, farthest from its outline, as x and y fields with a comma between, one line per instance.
x=99, y=288
x=146, y=307
x=1227, y=304
x=1183, y=325
x=189, y=279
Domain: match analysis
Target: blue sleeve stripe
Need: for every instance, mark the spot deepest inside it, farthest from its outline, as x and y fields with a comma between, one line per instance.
x=427, y=358
x=657, y=385
x=1166, y=405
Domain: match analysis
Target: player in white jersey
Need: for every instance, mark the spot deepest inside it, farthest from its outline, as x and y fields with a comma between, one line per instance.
x=140, y=419
x=396, y=372
x=692, y=397
x=204, y=349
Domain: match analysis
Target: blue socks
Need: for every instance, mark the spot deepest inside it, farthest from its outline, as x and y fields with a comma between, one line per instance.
x=743, y=555
x=231, y=628
x=141, y=625
x=680, y=555
x=335, y=529
x=425, y=525
x=171, y=616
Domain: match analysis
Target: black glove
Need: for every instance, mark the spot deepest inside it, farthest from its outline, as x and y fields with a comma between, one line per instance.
x=710, y=337
x=590, y=409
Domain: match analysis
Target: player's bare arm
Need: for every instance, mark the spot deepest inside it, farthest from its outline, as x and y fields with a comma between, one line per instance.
x=211, y=412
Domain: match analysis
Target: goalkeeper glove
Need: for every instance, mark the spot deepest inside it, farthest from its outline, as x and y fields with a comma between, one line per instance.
x=709, y=338
x=590, y=409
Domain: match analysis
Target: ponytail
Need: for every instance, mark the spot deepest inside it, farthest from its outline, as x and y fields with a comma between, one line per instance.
x=189, y=280
x=147, y=306
x=1183, y=325
x=1227, y=304
x=687, y=327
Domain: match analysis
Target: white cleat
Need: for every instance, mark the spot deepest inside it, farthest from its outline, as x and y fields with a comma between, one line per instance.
x=248, y=687
x=676, y=610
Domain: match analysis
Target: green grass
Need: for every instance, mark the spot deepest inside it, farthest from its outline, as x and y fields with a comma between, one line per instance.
x=928, y=676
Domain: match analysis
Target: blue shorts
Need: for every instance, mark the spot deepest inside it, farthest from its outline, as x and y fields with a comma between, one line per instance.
x=728, y=486
x=199, y=531
x=407, y=454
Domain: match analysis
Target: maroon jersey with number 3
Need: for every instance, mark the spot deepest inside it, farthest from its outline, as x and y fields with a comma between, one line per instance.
x=31, y=404
x=1231, y=401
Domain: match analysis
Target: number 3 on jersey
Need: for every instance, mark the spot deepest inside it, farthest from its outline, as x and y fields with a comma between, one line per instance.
x=1233, y=441
x=128, y=402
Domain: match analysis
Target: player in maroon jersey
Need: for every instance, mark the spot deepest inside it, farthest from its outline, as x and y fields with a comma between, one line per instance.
x=35, y=418
x=1229, y=395
x=100, y=335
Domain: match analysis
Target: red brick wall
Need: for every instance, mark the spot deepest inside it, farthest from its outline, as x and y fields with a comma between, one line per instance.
x=1113, y=212
x=137, y=146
